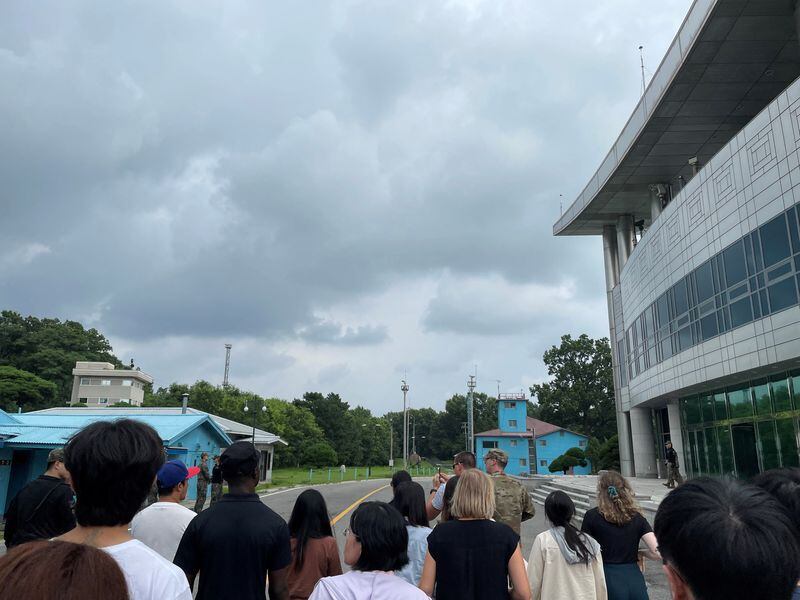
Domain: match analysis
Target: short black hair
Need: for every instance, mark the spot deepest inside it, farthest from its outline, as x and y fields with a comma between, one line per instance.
x=399, y=477
x=728, y=540
x=382, y=533
x=113, y=465
x=166, y=491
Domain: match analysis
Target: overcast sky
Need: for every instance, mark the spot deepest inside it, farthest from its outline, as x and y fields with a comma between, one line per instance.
x=347, y=192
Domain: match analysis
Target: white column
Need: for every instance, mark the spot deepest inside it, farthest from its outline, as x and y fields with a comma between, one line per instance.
x=675, y=432
x=271, y=458
x=626, y=464
x=644, y=449
x=624, y=239
x=610, y=261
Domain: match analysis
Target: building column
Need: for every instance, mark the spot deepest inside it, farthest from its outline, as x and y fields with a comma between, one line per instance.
x=656, y=204
x=644, y=449
x=625, y=233
x=675, y=431
x=271, y=458
x=626, y=464
x=610, y=260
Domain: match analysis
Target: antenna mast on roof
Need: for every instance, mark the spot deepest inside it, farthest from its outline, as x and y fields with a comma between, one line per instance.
x=641, y=61
x=227, y=364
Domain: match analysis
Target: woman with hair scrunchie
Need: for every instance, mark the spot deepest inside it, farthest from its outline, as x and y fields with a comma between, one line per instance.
x=618, y=526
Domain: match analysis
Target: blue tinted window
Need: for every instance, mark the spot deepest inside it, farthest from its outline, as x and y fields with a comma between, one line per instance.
x=708, y=326
x=662, y=310
x=685, y=338
x=748, y=255
x=793, y=230
x=782, y=295
x=775, y=240
x=757, y=250
x=735, y=267
x=681, y=299
x=704, y=281
x=741, y=312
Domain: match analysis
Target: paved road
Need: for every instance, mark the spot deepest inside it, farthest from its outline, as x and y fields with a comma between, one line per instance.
x=343, y=497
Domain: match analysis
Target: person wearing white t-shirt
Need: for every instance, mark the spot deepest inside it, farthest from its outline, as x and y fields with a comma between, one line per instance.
x=113, y=465
x=161, y=525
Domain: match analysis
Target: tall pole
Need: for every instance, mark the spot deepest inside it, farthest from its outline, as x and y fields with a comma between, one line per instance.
x=404, y=389
x=391, y=445
x=413, y=435
x=227, y=365
x=470, y=414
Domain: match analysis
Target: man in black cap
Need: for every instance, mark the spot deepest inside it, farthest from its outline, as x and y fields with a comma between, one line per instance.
x=43, y=508
x=238, y=534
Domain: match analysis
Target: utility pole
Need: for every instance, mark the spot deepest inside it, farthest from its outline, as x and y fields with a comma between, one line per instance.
x=466, y=437
x=470, y=414
x=413, y=435
x=227, y=365
x=404, y=389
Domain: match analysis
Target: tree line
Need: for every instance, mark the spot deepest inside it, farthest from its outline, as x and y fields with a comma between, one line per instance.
x=37, y=357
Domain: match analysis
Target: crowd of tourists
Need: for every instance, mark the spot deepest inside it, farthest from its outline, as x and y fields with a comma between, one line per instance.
x=80, y=532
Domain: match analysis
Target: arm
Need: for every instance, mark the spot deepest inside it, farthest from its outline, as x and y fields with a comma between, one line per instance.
x=334, y=564
x=600, y=589
x=652, y=546
x=536, y=569
x=187, y=556
x=435, y=502
x=516, y=572
x=428, y=579
x=278, y=585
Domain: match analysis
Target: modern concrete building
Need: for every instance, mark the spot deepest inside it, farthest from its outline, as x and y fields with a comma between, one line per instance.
x=531, y=444
x=100, y=384
x=696, y=203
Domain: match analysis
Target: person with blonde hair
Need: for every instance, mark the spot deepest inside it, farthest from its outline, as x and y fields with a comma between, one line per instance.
x=618, y=526
x=471, y=557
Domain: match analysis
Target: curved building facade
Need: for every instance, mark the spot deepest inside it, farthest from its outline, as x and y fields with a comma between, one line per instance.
x=697, y=205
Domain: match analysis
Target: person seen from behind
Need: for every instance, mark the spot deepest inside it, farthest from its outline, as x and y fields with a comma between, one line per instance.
x=471, y=557
x=723, y=540
x=112, y=465
x=216, y=481
x=162, y=524
x=375, y=547
x=618, y=525
x=784, y=485
x=237, y=542
x=461, y=462
x=397, y=478
x=203, y=479
x=43, y=508
x=447, y=498
x=314, y=551
x=565, y=564
x=46, y=570
x=513, y=503
x=410, y=501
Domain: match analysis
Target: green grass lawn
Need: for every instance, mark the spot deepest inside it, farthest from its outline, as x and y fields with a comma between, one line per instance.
x=305, y=476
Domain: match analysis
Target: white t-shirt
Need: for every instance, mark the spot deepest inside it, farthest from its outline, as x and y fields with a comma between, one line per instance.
x=161, y=526
x=370, y=585
x=148, y=574
x=438, y=499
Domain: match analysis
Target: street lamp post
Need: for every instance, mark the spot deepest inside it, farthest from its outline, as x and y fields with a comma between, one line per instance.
x=263, y=410
x=404, y=389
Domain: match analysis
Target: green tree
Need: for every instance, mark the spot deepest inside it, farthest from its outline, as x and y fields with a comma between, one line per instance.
x=318, y=454
x=23, y=389
x=580, y=394
x=573, y=457
x=333, y=415
x=448, y=436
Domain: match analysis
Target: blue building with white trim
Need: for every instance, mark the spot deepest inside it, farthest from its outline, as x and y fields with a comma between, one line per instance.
x=26, y=439
x=531, y=444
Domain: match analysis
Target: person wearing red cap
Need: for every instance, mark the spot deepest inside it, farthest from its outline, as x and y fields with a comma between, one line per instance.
x=161, y=525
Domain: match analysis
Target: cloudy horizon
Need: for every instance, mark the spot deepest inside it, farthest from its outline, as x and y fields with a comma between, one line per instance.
x=348, y=195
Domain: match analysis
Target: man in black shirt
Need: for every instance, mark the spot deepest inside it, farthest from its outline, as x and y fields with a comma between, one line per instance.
x=673, y=467
x=216, y=481
x=237, y=535
x=43, y=508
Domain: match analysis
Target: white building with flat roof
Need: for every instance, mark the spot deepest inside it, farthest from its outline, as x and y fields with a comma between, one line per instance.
x=101, y=384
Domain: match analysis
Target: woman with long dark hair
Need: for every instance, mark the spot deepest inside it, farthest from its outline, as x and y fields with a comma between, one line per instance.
x=565, y=563
x=409, y=499
x=314, y=551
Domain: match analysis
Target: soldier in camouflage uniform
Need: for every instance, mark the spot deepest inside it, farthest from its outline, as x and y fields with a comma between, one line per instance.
x=512, y=500
x=202, y=483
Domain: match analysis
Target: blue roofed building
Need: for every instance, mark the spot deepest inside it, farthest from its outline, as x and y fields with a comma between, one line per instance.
x=26, y=439
x=531, y=444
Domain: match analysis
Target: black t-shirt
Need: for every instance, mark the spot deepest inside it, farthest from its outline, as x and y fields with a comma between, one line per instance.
x=472, y=559
x=619, y=544
x=233, y=544
x=42, y=510
x=216, y=475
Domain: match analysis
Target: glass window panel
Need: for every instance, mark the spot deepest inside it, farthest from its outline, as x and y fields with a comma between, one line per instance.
x=787, y=440
x=666, y=348
x=708, y=326
x=739, y=403
x=711, y=451
x=741, y=312
x=738, y=291
x=761, y=396
x=775, y=273
x=756, y=306
x=775, y=240
x=769, y=445
x=796, y=389
x=681, y=299
x=782, y=295
x=705, y=281
x=725, y=450
x=702, y=453
x=720, y=407
x=757, y=251
x=762, y=295
x=693, y=454
x=745, y=455
x=780, y=395
x=691, y=410
x=662, y=310
x=685, y=338
x=707, y=408
x=735, y=266
x=793, y=231
x=748, y=256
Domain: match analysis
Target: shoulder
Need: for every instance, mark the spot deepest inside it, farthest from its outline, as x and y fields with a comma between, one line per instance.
x=134, y=556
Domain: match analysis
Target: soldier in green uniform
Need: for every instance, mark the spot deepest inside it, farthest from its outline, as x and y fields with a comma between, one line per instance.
x=512, y=500
x=203, y=478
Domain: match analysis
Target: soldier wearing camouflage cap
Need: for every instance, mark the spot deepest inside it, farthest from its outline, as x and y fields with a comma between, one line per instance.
x=513, y=503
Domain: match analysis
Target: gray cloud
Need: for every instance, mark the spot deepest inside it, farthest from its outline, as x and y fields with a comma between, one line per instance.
x=328, y=332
